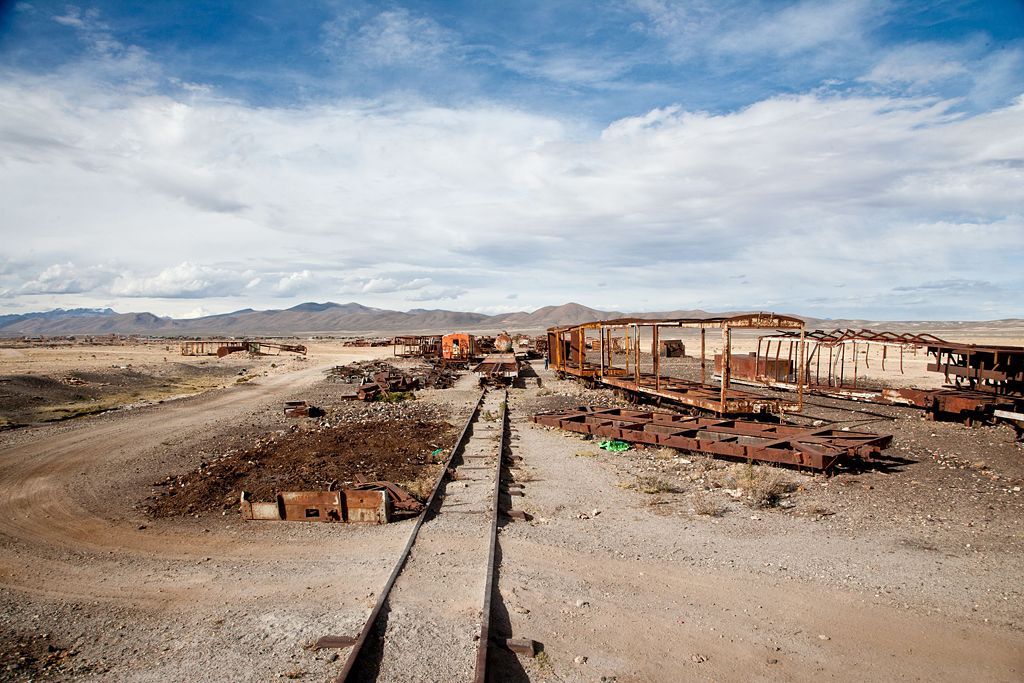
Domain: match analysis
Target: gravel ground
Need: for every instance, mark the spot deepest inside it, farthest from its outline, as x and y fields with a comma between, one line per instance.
x=909, y=570
x=906, y=571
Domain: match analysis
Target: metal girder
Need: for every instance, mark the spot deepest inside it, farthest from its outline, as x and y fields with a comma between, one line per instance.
x=819, y=448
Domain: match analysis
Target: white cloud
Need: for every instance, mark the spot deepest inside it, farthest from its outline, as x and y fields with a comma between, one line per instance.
x=743, y=28
x=392, y=37
x=296, y=283
x=437, y=293
x=803, y=26
x=917, y=65
x=476, y=202
x=186, y=280
x=66, y=278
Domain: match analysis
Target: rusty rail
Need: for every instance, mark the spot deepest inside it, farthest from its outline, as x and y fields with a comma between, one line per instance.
x=483, y=646
x=358, y=646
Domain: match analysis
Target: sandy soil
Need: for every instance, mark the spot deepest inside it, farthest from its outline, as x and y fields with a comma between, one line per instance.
x=909, y=571
x=897, y=573
x=42, y=382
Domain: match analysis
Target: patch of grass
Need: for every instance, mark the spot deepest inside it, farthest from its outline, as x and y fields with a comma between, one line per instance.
x=653, y=484
x=665, y=453
x=395, y=396
x=705, y=503
x=543, y=661
x=762, y=485
x=419, y=489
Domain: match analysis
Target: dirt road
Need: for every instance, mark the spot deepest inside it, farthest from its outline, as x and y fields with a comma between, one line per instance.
x=139, y=601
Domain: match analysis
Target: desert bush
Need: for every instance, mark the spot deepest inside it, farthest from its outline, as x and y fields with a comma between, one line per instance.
x=649, y=483
x=762, y=485
x=395, y=396
x=705, y=503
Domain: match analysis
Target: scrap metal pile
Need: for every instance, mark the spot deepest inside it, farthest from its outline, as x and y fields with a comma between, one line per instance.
x=372, y=502
x=497, y=369
x=818, y=448
x=371, y=379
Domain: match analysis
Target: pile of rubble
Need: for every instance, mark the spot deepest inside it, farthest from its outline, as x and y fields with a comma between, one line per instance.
x=376, y=442
x=374, y=378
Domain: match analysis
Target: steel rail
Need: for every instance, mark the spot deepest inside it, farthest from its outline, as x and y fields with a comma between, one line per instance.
x=371, y=621
x=483, y=645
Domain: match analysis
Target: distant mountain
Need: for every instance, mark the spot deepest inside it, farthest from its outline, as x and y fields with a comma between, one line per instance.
x=549, y=316
x=352, y=318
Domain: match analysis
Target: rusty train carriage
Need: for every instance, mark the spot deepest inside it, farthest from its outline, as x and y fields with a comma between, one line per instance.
x=992, y=369
x=568, y=346
x=497, y=368
x=818, y=448
x=227, y=347
x=411, y=346
x=829, y=349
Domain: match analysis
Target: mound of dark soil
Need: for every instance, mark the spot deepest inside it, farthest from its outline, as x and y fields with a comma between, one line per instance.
x=381, y=447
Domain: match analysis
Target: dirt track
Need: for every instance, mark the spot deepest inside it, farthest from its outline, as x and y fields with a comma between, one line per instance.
x=143, y=601
x=632, y=593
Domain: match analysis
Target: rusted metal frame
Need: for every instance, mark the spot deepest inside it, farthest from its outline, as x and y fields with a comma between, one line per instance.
x=854, y=364
x=818, y=449
x=357, y=647
x=778, y=350
x=816, y=352
x=757, y=359
x=480, y=672
x=837, y=337
x=636, y=350
x=656, y=357
x=841, y=359
x=589, y=420
x=702, y=396
x=802, y=372
x=703, y=369
x=830, y=366
x=726, y=366
x=603, y=335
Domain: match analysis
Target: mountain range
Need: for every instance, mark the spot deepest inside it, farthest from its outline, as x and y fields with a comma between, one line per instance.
x=332, y=318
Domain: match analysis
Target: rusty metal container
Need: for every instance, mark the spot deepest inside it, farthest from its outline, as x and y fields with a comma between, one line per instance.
x=458, y=346
x=751, y=367
x=503, y=343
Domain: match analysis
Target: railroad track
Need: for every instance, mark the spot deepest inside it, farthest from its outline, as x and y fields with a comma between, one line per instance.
x=432, y=619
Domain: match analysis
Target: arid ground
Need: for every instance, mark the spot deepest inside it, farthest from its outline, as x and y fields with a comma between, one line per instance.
x=123, y=555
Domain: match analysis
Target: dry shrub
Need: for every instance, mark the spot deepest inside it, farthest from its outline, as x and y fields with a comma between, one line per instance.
x=419, y=489
x=762, y=485
x=665, y=453
x=652, y=484
x=704, y=503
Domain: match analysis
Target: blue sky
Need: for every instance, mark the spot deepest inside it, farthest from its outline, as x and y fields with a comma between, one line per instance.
x=847, y=159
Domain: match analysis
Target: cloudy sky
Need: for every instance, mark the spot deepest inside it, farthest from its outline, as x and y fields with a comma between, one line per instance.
x=851, y=159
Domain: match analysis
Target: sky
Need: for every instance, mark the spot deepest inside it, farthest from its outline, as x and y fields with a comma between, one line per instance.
x=852, y=159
